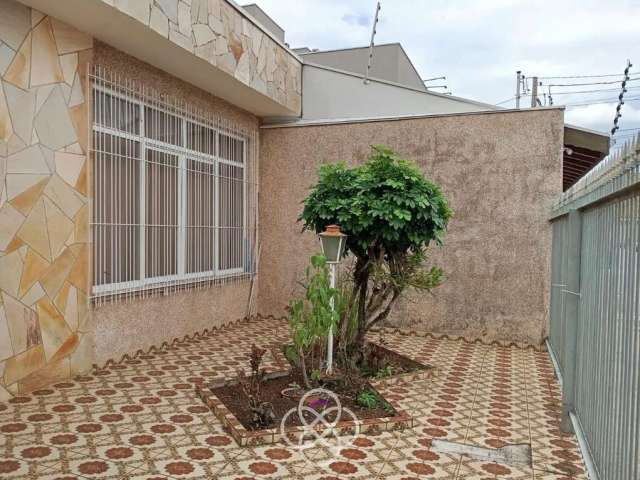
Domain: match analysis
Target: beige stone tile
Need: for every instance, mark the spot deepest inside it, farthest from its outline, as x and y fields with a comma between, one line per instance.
x=84, y=355
x=23, y=324
x=71, y=309
x=74, y=148
x=64, y=196
x=55, y=276
x=6, y=349
x=77, y=96
x=34, y=231
x=184, y=18
x=48, y=155
x=83, y=181
x=68, y=39
x=78, y=115
x=53, y=328
x=61, y=298
x=14, y=245
x=15, y=23
x=53, y=122
x=69, y=166
x=53, y=372
x=138, y=9
x=36, y=17
x=79, y=275
x=45, y=66
x=6, y=127
x=42, y=94
x=30, y=160
x=34, y=268
x=21, y=105
x=25, y=201
x=35, y=293
x=4, y=394
x=69, y=65
x=202, y=34
x=170, y=9
x=81, y=221
x=6, y=55
x=21, y=365
x=15, y=144
x=159, y=21
x=10, y=221
x=10, y=271
x=59, y=226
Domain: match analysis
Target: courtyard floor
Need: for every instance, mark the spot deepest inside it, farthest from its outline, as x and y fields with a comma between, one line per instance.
x=141, y=418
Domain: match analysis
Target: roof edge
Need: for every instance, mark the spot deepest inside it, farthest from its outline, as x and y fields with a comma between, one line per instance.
x=339, y=121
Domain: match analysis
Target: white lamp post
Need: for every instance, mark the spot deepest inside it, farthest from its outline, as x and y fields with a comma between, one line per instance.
x=333, y=242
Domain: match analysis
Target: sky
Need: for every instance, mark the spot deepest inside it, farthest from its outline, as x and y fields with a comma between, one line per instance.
x=479, y=44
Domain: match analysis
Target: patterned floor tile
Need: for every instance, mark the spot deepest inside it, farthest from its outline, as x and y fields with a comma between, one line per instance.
x=141, y=418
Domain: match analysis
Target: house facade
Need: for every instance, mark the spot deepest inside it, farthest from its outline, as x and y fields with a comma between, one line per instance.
x=153, y=154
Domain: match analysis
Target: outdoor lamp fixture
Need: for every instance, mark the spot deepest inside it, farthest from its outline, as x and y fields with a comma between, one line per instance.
x=333, y=242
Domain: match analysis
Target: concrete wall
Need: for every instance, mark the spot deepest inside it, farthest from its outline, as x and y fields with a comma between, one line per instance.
x=45, y=332
x=139, y=323
x=499, y=171
x=330, y=94
x=390, y=63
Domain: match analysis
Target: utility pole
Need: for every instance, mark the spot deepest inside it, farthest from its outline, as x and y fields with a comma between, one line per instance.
x=534, y=93
x=373, y=35
x=518, y=75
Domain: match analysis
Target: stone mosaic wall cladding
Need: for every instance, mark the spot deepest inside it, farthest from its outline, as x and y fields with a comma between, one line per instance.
x=44, y=331
x=216, y=32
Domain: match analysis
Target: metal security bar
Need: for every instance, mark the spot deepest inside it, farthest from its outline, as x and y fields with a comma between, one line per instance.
x=174, y=192
x=595, y=313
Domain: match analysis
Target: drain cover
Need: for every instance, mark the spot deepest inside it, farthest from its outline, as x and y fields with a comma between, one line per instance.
x=516, y=454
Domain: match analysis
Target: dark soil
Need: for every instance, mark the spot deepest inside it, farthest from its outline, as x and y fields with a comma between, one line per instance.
x=398, y=364
x=378, y=358
x=235, y=400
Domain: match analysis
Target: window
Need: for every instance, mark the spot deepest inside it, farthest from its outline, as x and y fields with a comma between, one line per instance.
x=170, y=195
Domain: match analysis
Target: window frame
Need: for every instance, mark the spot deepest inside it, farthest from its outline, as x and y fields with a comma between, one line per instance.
x=183, y=154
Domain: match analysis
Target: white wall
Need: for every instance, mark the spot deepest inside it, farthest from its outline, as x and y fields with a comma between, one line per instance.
x=331, y=94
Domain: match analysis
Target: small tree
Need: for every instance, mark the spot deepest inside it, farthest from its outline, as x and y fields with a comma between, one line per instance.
x=391, y=214
x=311, y=317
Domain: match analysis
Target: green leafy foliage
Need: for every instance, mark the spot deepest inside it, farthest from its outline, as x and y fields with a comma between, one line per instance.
x=369, y=398
x=385, y=202
x=391, y=214
x=311, y=317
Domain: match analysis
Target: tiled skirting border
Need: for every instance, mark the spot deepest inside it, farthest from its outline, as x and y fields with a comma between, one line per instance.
x=401, y=421
x=444, y=336
x=176, y=342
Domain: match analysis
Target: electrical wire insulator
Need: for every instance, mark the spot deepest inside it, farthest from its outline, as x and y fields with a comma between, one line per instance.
x=620, y=98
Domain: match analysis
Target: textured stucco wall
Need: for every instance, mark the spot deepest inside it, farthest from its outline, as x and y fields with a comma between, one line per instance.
x=45, y=329
x=499, y=171
x=123, y=328
x=138, y=323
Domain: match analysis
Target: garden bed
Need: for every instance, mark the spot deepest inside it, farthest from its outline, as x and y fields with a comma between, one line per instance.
x=228, y=402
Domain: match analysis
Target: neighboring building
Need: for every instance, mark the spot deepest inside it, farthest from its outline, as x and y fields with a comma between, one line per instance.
x=144, y=198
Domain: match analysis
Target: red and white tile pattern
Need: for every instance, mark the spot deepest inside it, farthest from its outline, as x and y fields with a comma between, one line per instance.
x=141, y=419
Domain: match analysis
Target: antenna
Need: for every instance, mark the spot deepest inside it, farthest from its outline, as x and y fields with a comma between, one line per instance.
x=373, y=34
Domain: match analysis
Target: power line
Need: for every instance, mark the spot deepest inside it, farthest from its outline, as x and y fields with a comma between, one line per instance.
x=584, y=76
x=632, y=99
x=593, y=91
x=592, y=83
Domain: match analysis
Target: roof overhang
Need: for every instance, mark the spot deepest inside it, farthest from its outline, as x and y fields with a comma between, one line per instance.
x=114, y=27
x=583, y=149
